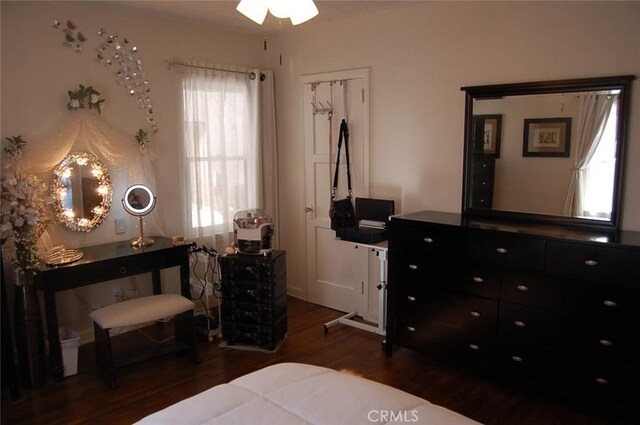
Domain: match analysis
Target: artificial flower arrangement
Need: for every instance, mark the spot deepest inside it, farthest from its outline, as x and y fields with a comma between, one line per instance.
x=84, y=97
x=26, y=211
x=142, y=137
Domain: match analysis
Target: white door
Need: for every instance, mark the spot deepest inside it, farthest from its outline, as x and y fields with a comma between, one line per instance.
x=336, y=271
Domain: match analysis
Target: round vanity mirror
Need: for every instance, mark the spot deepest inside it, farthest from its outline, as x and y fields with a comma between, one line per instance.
x=82, y=191
x=139, y=201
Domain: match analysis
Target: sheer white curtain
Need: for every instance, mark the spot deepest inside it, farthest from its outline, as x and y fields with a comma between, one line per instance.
x=223, y=148
x=593, y=111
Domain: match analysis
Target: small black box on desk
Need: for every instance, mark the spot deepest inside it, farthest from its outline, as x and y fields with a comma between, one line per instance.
x=373, y=217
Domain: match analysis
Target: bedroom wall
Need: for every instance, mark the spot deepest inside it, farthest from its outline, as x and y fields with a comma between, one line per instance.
x=419, y=57
x=37, y=71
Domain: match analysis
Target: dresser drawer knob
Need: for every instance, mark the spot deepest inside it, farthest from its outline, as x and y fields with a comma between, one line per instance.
x=501, y=250
x=474, y=347
x=602, y=381
x=591, y=263
x=478, y=279
x=610, y=303
x=519, y=323
x=123, y=270
x=476, y=313
x=413, y=267
x=517, y=359
x=428, y=240
x=522, y=287
x=411, y=298
x=606, y=342
x=411, y=329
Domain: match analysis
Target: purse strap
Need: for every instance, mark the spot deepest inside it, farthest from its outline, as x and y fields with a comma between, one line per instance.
x=344, y=132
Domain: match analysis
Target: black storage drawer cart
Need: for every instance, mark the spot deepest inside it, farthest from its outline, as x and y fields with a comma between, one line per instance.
x=542, y=305
x=254, y=299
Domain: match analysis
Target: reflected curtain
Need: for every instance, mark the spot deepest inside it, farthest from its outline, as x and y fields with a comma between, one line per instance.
x=593, y=112
x=228, y=149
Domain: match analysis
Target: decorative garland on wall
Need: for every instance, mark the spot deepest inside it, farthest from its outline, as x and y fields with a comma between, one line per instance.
x=119, y=54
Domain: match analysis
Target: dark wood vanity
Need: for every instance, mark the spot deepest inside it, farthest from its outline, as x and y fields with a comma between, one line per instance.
x=541, y=297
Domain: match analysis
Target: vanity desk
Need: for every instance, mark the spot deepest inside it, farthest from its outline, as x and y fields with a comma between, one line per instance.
x=102, y=263
x=548, y=305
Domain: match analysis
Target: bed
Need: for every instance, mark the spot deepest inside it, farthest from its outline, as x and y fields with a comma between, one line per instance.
x=294, y=393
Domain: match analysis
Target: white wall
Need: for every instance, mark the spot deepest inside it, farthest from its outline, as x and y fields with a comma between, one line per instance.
x=37, y=71
x=419, y=58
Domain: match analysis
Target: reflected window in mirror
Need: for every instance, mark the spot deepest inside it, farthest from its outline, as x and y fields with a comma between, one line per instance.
x=558, y=154
x=82, y=190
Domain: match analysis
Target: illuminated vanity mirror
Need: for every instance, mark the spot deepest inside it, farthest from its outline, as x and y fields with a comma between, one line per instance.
x=82, y=191
x=139, y=201
x=548, y=151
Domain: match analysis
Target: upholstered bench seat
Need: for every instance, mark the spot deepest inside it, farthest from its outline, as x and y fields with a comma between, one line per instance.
x=140, y=311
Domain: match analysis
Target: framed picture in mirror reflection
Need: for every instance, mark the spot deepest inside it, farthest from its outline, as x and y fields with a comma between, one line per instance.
x=547, y=137
x=487, y=131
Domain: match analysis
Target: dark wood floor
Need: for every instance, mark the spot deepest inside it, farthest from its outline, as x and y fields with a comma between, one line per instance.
x=153, y=385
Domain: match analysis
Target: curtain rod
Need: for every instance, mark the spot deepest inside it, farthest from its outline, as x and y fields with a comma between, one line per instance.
x=252, y=75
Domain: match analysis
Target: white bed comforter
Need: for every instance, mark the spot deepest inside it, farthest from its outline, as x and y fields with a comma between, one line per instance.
x=293, y=393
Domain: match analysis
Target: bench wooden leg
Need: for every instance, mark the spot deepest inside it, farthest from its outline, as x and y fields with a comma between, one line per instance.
x=104, y=355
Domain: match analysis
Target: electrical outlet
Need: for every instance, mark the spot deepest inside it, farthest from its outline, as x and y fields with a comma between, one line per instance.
x=118, y=294
x=121, y=225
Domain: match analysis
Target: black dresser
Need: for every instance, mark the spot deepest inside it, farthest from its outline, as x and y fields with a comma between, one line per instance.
x=254, y=299
x=549, y=306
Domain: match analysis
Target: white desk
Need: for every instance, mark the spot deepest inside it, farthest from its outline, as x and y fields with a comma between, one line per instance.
x=381, y=251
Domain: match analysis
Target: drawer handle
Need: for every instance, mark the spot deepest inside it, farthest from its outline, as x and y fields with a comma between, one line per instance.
x=606, y=342
x=476, y=313
x=123, y=270
x=591, y=263
x=413, y=267
x=519, y=323
x=517, y=359
x=428, y=240
x=602, y=381
x=522, y=288
x=478, y=279
x=501, y=250
x=474, y=347
x=610, y=303
x=411, y=298
x=411, y=329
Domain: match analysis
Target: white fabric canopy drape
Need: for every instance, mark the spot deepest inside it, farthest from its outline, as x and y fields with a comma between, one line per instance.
x=593, y=111
x=86, y=131
x=229, y=153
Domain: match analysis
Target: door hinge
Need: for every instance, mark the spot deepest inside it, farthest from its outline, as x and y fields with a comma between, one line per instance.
x=362, y=95
x=362, y=287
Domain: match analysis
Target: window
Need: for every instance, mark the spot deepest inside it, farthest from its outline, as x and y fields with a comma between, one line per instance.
x=599, y=174
x=220, y=151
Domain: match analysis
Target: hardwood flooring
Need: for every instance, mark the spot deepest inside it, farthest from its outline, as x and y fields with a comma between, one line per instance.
x=153, y=385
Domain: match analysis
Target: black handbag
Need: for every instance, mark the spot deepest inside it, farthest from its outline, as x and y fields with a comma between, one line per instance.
x=341, y=211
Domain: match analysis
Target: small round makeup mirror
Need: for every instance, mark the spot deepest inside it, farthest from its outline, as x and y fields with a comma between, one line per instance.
x=139, y=201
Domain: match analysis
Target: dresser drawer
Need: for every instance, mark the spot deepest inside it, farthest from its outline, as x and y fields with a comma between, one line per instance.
x=616, y=265
x=538, y=291
x=506, y=250
x=463, y=310
x=254, y=313
x=531, y=325
x=433, y=335
x=429, y=243
x=476, y=280
x=253, y=267
x=616, y=344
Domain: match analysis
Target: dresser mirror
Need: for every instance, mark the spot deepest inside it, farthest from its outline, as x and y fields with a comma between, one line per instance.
x=82, y=191
x=550, y=152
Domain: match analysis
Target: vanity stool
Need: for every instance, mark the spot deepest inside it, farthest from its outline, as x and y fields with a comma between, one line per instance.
x=136, y=312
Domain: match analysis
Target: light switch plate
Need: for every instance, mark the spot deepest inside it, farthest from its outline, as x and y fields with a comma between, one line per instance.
x=121, y=225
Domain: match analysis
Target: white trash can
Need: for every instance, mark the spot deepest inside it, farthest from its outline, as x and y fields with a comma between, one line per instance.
x=69, y=342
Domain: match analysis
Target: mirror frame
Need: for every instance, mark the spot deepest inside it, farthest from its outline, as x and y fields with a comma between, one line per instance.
x=622, y=83
x=138, y=212
x=58, y=191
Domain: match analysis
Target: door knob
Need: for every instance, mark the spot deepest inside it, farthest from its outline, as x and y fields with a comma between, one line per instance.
x=308, y=209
